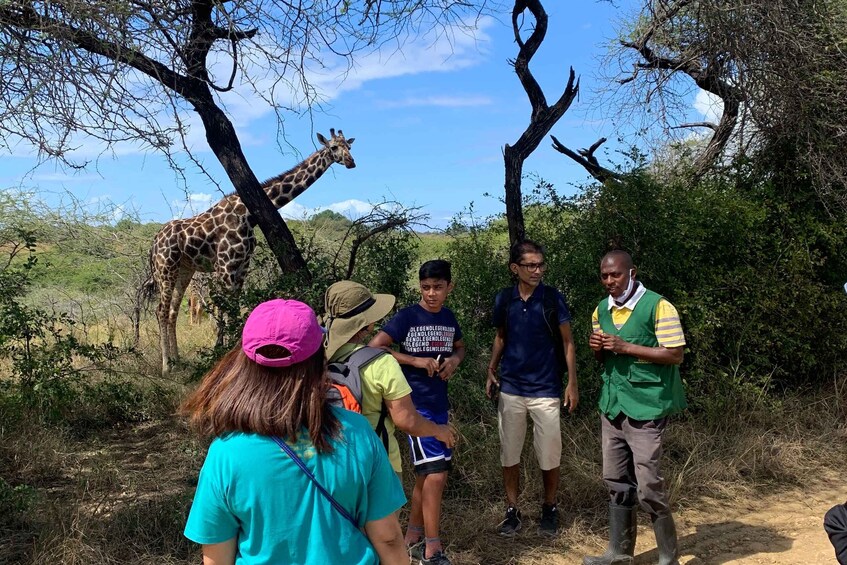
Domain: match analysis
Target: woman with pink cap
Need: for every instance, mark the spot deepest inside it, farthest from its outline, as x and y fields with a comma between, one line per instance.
x=288, y=478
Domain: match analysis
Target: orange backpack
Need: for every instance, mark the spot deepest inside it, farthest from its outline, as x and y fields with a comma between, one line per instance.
x=346, y=390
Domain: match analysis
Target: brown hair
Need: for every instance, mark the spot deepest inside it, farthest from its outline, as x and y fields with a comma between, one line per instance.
x=238, y=394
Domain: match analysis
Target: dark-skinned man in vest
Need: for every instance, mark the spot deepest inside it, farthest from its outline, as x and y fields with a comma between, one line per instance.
x=638, y=337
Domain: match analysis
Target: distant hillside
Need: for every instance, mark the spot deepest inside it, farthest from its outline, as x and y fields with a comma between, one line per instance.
x=102, y=260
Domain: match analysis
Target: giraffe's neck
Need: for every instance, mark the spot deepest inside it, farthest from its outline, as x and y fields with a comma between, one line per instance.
x=287, y=186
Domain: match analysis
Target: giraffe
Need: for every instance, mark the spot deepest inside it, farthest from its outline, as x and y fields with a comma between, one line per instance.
x=221, y=241
x=198, y=298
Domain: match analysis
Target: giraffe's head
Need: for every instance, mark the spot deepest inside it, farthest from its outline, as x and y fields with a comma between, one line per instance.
x=339, y=148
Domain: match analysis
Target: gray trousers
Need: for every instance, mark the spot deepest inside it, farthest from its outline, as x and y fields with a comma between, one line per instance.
x=631, y=453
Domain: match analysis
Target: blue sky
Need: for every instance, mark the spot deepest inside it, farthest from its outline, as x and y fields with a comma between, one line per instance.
x=430, y=123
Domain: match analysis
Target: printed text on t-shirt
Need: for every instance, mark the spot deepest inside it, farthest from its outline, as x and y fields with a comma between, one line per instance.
x=429, y=338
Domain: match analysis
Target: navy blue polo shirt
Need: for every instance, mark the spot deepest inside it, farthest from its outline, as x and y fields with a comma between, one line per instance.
x=529, y=366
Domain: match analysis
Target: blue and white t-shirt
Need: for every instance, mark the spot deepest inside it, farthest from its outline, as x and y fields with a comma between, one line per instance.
x=421, y=333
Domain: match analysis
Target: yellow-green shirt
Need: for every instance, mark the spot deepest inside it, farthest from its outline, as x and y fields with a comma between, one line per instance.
x=382, y=378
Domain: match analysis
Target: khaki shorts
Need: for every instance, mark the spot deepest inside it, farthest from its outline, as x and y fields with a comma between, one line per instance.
x=546, y=430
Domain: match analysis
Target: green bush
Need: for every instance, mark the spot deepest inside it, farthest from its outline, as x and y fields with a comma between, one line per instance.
x=54, y=376
x=15, y=502
x=751, y=259
x=383, y=264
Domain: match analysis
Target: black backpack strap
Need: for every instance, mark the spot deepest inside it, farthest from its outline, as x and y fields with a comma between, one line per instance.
x=380, y=429
x=550, y=309
x=503, y=297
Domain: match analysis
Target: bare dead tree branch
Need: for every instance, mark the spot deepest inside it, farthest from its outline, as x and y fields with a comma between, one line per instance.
x=776, y=66
x=710, y=75
x=710, y=125
x=542, y=117
x=387, y=225
x=384, y=217
x=586, y=158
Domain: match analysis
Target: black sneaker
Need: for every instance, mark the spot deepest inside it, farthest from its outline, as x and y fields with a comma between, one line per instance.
x=512, y=524
x=549, y=524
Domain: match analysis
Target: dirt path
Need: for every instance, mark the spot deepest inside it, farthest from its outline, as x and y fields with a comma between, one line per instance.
x=781, y=529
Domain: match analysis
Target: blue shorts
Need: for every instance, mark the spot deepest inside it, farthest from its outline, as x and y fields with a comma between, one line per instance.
x=428, y=454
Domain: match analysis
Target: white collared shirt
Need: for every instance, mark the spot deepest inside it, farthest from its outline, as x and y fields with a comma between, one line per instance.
x=640, y=290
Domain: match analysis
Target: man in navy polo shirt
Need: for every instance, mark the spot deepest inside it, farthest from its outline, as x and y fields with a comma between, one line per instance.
x=533, y=345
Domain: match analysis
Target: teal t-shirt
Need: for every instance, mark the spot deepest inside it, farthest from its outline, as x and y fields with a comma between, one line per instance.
x=250, y=489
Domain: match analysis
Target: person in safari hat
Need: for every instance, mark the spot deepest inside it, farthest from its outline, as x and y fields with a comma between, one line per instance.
x=281, y=454
x=351, y=313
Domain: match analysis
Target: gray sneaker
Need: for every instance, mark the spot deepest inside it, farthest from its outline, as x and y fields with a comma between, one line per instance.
x=416, y=550
x=438, y=558
x=512, y=524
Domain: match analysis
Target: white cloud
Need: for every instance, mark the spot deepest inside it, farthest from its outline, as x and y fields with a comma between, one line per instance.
x=118, y=213
x=709, y=105
x=294, y=211
x=350, y=208
x=200, y=197
x=438, y=101
x=195, y=203
x=450, y=49
x=455, y=49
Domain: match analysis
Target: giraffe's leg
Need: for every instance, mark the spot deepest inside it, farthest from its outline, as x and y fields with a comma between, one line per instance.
x=162, y=311
x=179, y=287
x=222, y=318
x=193, y=307
x=230, y=278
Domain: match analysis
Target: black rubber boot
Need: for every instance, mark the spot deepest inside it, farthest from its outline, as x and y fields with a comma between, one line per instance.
x=622, y=531
x=665, y=531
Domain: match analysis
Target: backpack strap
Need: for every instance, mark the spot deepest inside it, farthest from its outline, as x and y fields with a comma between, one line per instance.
x=357, y=361
x=380, y=428
x=550, y=309
x=346, y=371
x=503, y=297
x=362, y=356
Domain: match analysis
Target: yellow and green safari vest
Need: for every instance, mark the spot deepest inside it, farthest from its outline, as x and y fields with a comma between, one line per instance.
x=640, y=389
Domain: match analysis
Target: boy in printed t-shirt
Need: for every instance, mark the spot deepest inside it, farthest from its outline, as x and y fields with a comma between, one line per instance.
x=431, y=348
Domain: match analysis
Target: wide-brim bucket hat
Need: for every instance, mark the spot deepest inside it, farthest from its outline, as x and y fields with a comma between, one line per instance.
x=350, y=307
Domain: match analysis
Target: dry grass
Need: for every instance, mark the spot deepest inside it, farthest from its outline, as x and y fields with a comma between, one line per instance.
x=752, y=452
x=121, y=494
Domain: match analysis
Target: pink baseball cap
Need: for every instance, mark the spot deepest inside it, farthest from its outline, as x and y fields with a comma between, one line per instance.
x=286, y=323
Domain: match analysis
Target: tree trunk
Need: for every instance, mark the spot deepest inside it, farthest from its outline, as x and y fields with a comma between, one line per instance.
x=224, y=142
x=514, y=205
x=543, y=116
